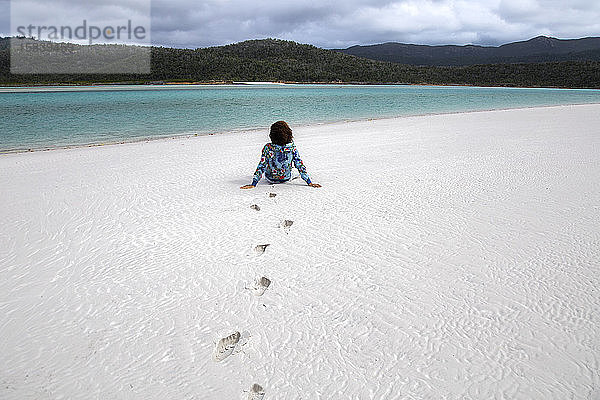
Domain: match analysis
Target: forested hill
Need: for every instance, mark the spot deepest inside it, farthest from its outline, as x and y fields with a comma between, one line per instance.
x=279, y=60
x=536, y=50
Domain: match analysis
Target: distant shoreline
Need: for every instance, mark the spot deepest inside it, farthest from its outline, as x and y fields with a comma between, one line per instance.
x=193, y=85
x=175, y=84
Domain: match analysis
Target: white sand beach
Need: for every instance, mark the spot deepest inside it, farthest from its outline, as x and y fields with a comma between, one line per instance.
x=445, y=257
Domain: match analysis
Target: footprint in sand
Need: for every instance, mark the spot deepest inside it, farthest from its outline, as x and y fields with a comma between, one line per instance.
x=255, y=207
x=286, y=225
x=260, y=286
x=260, y=249
x=226, y=346
x=256, y=392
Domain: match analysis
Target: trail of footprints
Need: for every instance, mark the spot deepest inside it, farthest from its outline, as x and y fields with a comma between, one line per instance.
x=231, y=344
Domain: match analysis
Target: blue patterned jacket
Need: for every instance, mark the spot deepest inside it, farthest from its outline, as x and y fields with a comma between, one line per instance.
x=276, y=163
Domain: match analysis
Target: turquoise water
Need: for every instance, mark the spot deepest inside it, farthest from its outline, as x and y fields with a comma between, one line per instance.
x=54, y=117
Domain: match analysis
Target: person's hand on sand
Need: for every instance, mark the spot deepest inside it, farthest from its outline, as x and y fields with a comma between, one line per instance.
x=314, y=185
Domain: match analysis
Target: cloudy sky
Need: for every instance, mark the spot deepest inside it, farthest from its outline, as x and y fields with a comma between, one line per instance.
x=329, y=24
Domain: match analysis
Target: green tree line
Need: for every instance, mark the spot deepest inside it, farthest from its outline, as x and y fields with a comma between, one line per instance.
x=279, y=60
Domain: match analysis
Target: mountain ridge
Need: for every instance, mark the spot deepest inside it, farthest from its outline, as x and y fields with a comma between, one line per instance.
x=537, y=49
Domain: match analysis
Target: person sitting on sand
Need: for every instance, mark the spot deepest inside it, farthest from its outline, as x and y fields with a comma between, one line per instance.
x=277, y=157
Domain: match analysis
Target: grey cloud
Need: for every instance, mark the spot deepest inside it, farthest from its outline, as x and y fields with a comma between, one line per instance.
x=191, y=23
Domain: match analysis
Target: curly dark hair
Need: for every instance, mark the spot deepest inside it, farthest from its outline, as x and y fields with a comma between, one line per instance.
x=281, y=133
